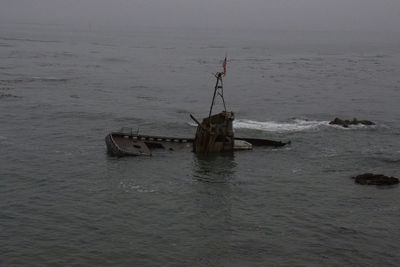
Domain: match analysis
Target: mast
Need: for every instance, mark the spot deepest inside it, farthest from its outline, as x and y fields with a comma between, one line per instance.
x=218, y=85
x=215, y=133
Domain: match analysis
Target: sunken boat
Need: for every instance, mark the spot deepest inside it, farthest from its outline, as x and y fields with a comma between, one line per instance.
x=214, y=134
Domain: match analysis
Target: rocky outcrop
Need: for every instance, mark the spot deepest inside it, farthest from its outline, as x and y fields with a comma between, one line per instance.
x=347, y=123
x=375, y=179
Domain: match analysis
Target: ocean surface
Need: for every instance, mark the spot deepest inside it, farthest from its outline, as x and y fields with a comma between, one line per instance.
x=64, y=201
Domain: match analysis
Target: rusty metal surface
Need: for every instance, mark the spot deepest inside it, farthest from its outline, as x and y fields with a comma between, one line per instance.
x=215, y=134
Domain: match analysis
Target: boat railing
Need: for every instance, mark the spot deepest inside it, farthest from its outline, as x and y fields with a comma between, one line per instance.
x=128, y=131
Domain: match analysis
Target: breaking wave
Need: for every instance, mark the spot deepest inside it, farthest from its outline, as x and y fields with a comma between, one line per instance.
x=295, y=125
x=273, y=126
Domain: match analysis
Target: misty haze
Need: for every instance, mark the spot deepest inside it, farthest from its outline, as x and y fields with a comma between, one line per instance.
x=315, y=15
x=199, y=133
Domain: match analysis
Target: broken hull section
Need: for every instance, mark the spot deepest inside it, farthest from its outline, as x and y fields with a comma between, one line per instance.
x=263, y=142
x=121, y=144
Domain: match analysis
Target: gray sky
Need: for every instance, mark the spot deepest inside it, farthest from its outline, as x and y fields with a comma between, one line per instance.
x=365, y=15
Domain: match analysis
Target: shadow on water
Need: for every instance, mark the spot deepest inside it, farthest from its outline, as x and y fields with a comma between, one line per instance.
x=214, y=168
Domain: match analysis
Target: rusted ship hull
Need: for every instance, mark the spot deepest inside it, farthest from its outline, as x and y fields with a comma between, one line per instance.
x=214, y=134
x=121, y=144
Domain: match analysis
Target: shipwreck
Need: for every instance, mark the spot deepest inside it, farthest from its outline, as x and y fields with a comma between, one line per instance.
x=214, y=134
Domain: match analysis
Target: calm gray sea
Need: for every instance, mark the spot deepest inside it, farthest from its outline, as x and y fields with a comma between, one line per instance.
x=64, y=201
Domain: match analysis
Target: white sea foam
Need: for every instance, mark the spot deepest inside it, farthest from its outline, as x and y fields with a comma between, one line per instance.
x=128, y=187
x=273, y=126
x=44, y=78
x=295, y=125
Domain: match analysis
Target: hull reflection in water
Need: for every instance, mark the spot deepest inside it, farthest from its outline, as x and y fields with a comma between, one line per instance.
x=214, y=167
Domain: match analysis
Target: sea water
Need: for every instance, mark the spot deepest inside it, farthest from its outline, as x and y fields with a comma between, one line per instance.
x=64, y=201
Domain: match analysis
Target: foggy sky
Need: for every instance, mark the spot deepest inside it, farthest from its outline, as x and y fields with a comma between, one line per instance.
x=351, y=15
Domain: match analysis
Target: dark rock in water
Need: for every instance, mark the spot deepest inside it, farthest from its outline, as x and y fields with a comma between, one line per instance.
x=347, y=123
x=340, y=122
x=375, y=179
x=364, y=122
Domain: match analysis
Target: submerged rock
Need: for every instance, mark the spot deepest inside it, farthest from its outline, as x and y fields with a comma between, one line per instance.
x=375, y=179
x=347, y=123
